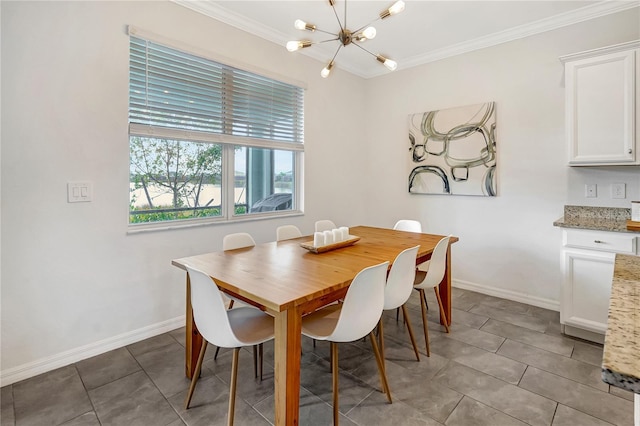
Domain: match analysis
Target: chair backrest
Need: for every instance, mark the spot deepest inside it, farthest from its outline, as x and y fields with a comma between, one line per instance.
x=437, y=266
x=408, y=225
x=325, y=225
x=209, y=310
x=236, y=241
x=400, y=279
x=287, y=232
x=362, y=307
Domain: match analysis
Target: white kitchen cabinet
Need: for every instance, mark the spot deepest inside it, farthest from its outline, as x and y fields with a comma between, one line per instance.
x=602, y=89
x=588, y=258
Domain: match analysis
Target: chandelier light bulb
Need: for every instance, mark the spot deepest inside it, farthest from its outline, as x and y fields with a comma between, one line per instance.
x=326, y=70
x=389, y=63
x=369, y=33
x=292, y=46
x=395, y=8
x=301, y=25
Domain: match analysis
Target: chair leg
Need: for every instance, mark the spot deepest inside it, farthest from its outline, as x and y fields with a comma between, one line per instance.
x=423, y=306
x=216, y=354
x=261, y=356
x=334, y=376
x=444, y=316
x=410, y=329
x=381, y=370
x=255, y=361
x=381, y=338
x=196, y=374
x=232, y=387
x=397, y=314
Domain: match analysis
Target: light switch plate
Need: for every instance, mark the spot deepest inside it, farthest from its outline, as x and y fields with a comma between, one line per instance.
x=618, y=190
x=79, y=192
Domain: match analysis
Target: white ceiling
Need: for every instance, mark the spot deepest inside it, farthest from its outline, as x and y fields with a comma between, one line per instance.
x=426, y=31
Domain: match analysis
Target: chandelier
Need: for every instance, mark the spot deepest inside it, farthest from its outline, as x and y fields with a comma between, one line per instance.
x=347, y=37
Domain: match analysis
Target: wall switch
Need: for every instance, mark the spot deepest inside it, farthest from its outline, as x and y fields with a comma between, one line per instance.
x=591, y=190
x=618, y=190
x=79, y=192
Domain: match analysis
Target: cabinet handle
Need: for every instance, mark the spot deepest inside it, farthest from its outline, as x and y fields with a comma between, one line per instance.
x=630, y=151
x=598, y=242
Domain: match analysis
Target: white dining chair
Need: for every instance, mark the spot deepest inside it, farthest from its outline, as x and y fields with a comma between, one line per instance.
x=234, y=328
x=236, y=241
x=325, y=225
x=431, y=279
x=287, y=232
x=408, y=225
x=351, y=320
x=398, y=290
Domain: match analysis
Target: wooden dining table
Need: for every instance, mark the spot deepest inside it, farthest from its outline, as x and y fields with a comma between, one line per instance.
x=288, y=281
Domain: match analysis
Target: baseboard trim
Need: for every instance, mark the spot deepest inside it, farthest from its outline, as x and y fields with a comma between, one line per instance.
x=516, y=296
x=43, y=365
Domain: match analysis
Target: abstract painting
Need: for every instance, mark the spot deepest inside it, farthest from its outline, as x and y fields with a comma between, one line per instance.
x=453, y=151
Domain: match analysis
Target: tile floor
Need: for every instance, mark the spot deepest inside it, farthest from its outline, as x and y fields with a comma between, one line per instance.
x=504, y=363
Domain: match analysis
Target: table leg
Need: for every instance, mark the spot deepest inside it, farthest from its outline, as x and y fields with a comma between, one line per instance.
x=445, y=289
x=287, y=366
x=193, y=342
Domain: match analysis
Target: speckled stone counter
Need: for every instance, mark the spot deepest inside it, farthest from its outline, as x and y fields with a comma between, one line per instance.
x=612, y=219
x=621, y=356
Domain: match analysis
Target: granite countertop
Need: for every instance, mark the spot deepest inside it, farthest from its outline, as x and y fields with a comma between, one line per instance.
x=611, y=219
x=621, y=356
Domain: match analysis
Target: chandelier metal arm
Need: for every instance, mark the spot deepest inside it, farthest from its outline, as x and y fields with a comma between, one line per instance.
x=333, y=6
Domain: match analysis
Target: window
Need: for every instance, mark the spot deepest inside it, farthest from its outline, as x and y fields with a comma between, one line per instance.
x=208, y=140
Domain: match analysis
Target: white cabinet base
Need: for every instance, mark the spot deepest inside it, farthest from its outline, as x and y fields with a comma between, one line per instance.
x=582, y=334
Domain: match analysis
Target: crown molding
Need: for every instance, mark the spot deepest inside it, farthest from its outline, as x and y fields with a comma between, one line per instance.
x=586, y=13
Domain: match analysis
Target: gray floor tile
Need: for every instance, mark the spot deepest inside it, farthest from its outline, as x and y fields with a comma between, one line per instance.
x=471, y=412
x=313, y=410
x=179, y=335
x=545, y=314
x=152, y=344
x=87, y=419
x=106, y=368
x=478, y=338
x=497, y=366
x=588, y=352
x=210, y=404
x=553, y=363
x=51, y=398
x=522, y=320
x=510, y=399
x=469, y=319
x=249, y=388
x=7, y=416
x=578, y=396
x=375, y=410
x=132, y=400
x=165, y=366
x=566, y=416
x=622, y=393
x=557, y=344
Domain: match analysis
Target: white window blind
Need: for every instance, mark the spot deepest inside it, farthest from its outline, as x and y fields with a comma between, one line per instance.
x=174, y=90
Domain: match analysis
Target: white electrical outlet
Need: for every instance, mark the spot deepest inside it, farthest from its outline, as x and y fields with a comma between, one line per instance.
x=618, y=190
x=591, y=190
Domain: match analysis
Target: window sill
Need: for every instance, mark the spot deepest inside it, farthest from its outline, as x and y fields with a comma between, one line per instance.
x=184, y=224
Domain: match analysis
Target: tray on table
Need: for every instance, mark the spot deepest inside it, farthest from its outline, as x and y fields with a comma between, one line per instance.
x=321, y=249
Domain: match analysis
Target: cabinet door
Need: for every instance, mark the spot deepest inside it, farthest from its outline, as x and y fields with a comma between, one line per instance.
x=600, y=103
x=586, y=289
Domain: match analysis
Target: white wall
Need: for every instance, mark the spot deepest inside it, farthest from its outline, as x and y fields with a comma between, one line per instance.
x=74, y=284
x=508, y=245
